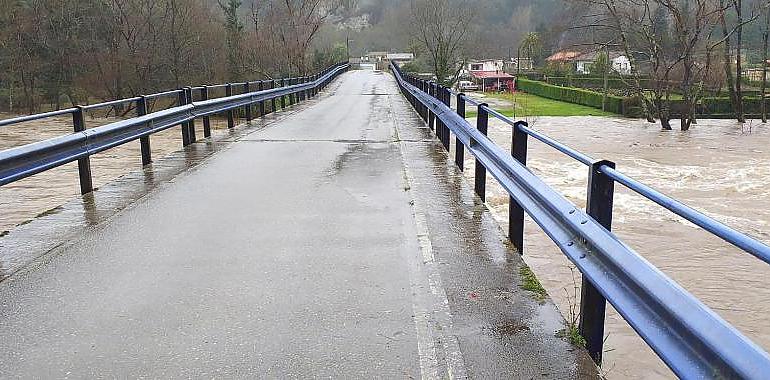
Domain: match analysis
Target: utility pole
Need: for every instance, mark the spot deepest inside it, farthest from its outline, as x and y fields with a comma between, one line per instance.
x=347, y=44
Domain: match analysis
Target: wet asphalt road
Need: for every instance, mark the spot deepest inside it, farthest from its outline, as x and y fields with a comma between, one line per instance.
x=336, y=242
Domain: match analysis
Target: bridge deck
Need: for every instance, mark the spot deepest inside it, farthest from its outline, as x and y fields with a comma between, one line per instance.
x=337, y=242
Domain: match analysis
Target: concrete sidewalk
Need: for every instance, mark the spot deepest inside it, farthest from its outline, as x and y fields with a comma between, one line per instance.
x=338, y=242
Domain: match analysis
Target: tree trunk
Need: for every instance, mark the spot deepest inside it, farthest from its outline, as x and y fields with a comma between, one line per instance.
x=665, y=121
x=727, y=58
x=764, y=65
x=10, y=95
x=738, y=74
x=606, y=80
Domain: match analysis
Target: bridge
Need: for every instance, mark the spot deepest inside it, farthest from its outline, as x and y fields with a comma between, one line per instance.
x=332, y=238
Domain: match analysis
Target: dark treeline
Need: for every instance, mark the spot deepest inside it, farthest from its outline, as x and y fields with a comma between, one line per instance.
x=58, y=53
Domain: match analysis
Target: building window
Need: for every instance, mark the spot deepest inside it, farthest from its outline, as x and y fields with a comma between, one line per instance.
x=476, y=66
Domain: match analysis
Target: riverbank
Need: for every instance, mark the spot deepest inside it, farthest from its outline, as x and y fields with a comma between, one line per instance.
x=522, y=106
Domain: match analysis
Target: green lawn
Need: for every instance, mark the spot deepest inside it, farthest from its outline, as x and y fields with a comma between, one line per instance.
x=526, y=105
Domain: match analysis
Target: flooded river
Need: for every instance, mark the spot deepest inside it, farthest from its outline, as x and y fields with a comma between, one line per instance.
x=22, y=200
x=720, y=167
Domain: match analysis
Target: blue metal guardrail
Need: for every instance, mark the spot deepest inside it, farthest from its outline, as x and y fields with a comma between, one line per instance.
x=20, y=162
x=690, y=338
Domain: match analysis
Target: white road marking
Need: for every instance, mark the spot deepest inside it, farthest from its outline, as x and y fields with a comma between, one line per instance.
x=432, y=317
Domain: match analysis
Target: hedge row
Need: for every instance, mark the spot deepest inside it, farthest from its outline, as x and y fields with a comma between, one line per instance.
x=751, y=105
x=615, y=104
x=613, y=83
x=707, y=107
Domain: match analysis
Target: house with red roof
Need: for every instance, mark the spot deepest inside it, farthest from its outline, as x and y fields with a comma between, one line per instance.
x=490, y=76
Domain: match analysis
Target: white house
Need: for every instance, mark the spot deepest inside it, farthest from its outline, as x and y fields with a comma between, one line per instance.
x=583, y=61
x=485, y=65
x=620, y=63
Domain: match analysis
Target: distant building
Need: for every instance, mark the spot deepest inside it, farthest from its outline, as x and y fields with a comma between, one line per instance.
x=489, y=74
x=493, y=80
x=376, y=56
x=485, y=65
x=519, y=64
x=754, y=74
x=382, y=58
x=400, y=57
x=564, y=56
x=582, y=62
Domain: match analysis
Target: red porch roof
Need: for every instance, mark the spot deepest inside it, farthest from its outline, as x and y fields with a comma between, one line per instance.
x=491, y=75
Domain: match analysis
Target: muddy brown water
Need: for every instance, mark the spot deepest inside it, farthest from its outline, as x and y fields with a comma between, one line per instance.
x=24, y=199
x=719, y=167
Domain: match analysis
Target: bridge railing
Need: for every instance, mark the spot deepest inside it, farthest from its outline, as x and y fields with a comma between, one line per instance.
x=23, y=161
x=688, y=336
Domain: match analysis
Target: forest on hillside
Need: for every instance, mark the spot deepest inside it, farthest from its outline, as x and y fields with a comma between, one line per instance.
x=58, y=53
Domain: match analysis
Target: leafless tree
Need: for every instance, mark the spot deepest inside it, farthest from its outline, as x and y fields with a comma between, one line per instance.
x=443, y=28
x=673, y=41
x=289, y=27
x=736, y=8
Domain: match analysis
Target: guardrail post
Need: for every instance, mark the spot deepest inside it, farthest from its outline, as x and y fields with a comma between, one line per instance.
x=261, y=87
x=440, y=128
x=445, y=134
x=190, y=124
x=272, y=100
x=425, y=109
x=482, y=124
x=515, y=211
x=303, y=93
x=437, y=91
x=283, y=98
x=601, y=190
x=84, y=164
x=246, y=90
x=206, y=119
x=144, y=142
x=230, y=118
x=297, y=95
x=431, y=116
x=292, y=97
x=185, y=131
x=420, y=107
x=459, y=147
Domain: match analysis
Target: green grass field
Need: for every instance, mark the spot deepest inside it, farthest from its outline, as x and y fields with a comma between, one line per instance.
x=524, y=105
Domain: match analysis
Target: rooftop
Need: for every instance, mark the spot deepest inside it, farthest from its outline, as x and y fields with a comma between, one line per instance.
x=491, y=74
